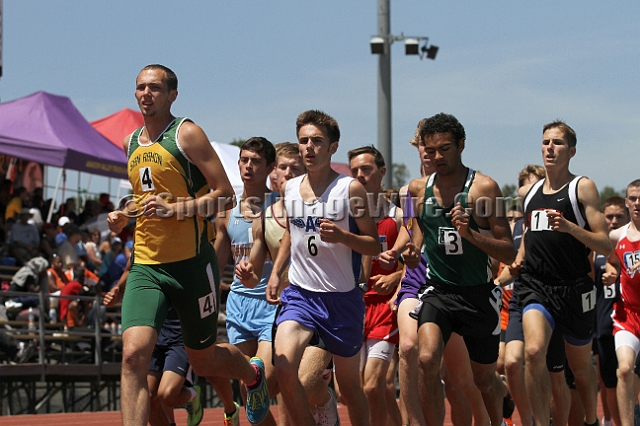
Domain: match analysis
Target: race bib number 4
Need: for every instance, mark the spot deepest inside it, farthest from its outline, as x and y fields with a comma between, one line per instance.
x=146, y=180
x=451, y=240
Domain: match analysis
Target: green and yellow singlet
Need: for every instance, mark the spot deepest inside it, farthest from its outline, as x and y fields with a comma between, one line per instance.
x=161, y=168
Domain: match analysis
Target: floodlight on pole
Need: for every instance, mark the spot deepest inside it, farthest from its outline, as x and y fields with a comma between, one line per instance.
x=381, y=46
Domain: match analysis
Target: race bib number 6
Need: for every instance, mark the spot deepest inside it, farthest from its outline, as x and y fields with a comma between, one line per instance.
x=312, y=242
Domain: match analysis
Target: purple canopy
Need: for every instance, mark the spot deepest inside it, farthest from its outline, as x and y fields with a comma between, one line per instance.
x=48, y=129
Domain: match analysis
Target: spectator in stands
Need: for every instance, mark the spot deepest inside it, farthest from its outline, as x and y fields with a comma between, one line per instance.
x=75, y=312
x=48, y=245
x=63, y=226
x=5, y=196
x=66, y=249
x=94, y=255
x=18, y=352
x=19, y=200
x=106, y=205
x=25, y=239
x=113, y=265
x=56, y=277
x=91, y=210
x=81, y=246
x=68, y=209
x=37, y=201
x=28, y=279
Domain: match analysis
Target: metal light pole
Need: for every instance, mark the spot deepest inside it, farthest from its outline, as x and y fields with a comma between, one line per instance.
x=384, y=91
x=381, y=46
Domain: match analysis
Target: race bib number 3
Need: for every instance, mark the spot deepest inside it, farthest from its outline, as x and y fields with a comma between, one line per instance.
x=451, y=240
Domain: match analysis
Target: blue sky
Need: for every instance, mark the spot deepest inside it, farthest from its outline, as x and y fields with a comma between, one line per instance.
x=248, y=68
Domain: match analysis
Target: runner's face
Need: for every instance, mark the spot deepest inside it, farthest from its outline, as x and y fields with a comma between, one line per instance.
x=288, y=167
x=615, y=216
x=443, y=152
x=363, y=168
x=555, y=149
x=427, y=165
x=633, y=203
x=152, y=93
x=314, y=145
x=253, y=168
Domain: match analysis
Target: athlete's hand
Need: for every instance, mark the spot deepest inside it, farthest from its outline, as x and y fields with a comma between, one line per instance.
x=460, y=219
x=515, y=267
x=245, y=273
x=117, y=220
x=330, y=232
x=272, y=290
x=385, y=284
x=392, y=303
x=387, y=259
x=411, y=256
x=609, y=278
x=557, y=221
x=154, y=206
x=114, y=296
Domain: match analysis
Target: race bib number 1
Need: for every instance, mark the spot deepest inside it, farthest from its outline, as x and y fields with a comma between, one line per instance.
x=539, y=221
x=588, y=300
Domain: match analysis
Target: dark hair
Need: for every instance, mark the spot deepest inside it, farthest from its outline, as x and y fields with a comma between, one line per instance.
x=319, y=118
x=377, y=156
x=260, y=146
x=443, y=123
x=170, y=77
x=634, y=184
x=615, y=201
x=568, y=132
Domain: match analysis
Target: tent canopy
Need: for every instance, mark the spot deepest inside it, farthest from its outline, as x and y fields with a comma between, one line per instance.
x=119, y=125
x=49, y=129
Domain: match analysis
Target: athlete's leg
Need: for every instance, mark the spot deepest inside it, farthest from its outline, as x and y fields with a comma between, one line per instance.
x=137, y=345
x=627, y=397
x=579, y=358
x=393, y=410
x=604, y=392
x=431, y=347
x=374, y=386
x=561, y=398
x=314, y=361
x=409, y=362
x=223, y=389
x=157, y=415
x=348, y=376
x=290, y=342
x=456, y=358
x=491, y=388
x=461, y=414
x=221, y=360
x=514, y=362
x=537, y=333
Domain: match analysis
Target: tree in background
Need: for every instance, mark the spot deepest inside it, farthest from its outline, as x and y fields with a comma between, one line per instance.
x=400, y=175
x=237, y=142
x=608, y=192
x=509, y=191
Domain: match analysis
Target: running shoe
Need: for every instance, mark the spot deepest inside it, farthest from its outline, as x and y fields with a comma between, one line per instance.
x=194, y=409
x=258, y=400
x=232, y=419
x=328, y=414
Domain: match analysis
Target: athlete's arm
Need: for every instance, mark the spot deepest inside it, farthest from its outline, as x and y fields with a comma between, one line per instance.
x=196, y=146
x=412, y=252
x=367, y=242
x=222, y=243
x=597, y=239
x=499, y=247
x=249, y=273
x=281, y=261
x=613, y=260
x=389, y=257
